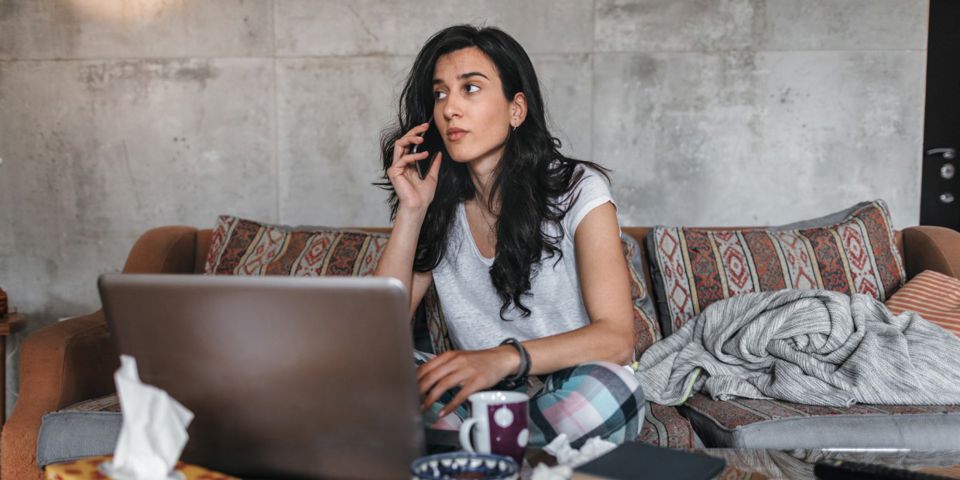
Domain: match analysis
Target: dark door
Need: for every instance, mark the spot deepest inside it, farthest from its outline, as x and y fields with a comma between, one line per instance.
x=940, y=186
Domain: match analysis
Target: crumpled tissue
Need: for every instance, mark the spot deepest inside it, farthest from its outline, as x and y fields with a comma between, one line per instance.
x=569, y=458
x=154, y=429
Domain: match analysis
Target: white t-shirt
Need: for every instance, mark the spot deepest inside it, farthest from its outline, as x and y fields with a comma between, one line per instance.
x=471, y=306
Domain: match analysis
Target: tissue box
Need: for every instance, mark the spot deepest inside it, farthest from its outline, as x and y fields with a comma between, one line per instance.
x=87, y=468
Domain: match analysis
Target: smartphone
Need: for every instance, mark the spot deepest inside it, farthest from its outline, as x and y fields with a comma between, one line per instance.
x=432, y=143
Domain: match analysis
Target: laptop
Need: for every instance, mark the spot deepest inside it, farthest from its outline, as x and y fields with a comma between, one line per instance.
x=287, y=377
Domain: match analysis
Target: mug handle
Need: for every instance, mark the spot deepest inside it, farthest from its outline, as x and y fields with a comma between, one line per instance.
x=465, y=434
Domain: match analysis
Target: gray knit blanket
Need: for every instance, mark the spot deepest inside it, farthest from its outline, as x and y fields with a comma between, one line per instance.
x=806, y=346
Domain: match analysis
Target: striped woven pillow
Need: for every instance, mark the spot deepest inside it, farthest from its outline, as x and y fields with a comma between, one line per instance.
x=935, y=296
x=692, y=268
x=246, y=247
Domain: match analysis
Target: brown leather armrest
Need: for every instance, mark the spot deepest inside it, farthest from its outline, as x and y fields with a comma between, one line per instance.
x=74, y=360
x=60, y=364
x=163, y=250
x=931, y=248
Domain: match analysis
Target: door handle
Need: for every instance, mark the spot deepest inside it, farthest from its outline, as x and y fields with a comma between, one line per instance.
x=948, y=153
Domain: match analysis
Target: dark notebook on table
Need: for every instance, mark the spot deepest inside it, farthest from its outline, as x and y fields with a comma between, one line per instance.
x=632, y=460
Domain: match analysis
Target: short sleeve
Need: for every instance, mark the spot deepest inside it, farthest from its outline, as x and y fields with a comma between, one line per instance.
x=593, y=191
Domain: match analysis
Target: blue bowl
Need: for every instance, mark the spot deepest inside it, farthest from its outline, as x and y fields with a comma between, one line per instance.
x=464, y=465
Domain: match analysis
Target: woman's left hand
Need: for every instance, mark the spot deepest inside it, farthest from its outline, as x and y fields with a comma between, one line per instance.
x=472, y=371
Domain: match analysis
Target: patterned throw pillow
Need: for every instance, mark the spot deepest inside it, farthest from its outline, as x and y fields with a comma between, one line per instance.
x=436, y=325
x=245, y=247
x=694, y=267
x=935, y=296
x=646, y=329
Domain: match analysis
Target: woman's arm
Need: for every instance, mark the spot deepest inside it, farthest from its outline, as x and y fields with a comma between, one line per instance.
x=605, y=288
x=397, y=258
x=414, y=195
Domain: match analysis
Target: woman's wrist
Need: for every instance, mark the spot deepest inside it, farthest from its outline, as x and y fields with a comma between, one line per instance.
x=510, y=360
x=519, y=378
x=414, y=215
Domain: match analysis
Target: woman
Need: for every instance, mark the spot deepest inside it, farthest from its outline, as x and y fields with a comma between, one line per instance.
x=521, y=242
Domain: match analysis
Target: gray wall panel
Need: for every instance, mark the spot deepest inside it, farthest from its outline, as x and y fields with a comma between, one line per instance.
x=330, y=115
x=52, y=29
x=389, y=27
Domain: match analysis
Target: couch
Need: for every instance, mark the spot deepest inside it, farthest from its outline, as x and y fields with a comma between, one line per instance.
x=66, y=368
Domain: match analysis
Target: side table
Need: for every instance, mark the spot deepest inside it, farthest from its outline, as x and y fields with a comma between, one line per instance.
x=9, y=324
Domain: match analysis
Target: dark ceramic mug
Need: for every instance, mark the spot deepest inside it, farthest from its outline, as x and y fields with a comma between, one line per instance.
x=498, y=424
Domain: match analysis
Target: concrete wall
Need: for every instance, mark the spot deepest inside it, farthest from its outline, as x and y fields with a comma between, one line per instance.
x=120, y=116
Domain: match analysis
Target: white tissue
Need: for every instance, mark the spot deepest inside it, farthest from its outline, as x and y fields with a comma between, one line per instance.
x=543, y=472
x=569, y=458
x=154, y=429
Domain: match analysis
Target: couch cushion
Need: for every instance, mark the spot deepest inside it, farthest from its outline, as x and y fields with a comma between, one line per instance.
x=665, y=427
x=694, y=267
x=646, y=327
x=436, y=325
x=748, y=423
x=935, y=296
x=245, y=247
x=81, y=430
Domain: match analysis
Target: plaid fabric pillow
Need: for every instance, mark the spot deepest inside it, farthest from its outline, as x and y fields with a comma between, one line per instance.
x=935, y=296
x=646, y=327
x=245, y=247
x=694, y=267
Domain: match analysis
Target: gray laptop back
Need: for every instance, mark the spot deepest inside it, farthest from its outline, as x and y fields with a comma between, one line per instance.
x=287, y=377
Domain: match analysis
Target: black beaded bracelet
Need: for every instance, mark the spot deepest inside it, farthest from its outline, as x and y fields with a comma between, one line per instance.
x=515, y=381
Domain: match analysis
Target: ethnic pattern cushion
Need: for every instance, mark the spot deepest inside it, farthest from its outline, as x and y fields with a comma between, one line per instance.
x=245, y=247
x=436, y=325
x=663, y=426
x=646, y=328
x=738, y=412
x=935, y=296
x=693, y=267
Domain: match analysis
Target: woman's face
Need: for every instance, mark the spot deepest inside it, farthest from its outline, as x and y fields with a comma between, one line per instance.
x=470, y=110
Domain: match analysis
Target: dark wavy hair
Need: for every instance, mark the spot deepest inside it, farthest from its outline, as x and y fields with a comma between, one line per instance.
x=531, y=177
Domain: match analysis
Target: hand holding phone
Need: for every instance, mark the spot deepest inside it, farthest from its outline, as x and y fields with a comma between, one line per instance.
x=432, y=143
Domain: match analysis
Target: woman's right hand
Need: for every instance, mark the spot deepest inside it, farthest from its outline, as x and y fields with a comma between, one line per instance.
x=412, y=191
